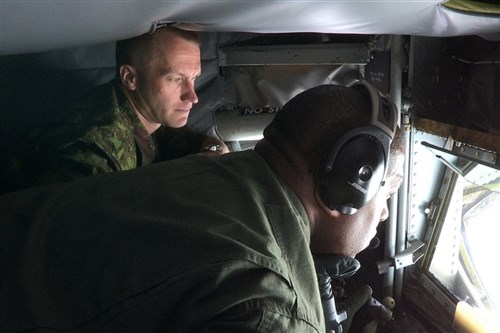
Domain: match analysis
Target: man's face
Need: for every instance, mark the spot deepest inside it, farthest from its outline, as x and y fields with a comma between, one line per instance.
x=164, y=91
x=350, y=234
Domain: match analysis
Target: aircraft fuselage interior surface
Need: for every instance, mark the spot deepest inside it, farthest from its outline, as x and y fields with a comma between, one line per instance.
x=432, y=267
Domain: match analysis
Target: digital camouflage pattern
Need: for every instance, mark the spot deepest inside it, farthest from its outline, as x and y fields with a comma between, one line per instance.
x=101, y=134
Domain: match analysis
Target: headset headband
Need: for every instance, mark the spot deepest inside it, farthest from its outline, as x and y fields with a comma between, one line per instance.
x=385, y=115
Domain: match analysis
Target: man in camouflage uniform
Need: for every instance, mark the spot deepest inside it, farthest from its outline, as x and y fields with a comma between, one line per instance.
x=112, y=128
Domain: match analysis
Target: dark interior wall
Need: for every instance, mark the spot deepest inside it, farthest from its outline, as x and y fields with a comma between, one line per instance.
x=34, y=87
x=457, y=81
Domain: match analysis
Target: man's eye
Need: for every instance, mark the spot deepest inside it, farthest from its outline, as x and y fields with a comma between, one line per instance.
x=175, y=79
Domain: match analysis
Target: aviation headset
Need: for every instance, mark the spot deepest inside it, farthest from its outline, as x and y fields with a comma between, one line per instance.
x=357, y=164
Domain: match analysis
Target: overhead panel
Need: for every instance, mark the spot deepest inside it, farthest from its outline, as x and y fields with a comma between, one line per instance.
x=310, y=54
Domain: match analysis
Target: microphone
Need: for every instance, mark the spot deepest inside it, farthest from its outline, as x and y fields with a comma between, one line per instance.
x=333, y=318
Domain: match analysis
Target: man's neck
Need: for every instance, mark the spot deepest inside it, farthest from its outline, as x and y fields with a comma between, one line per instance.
x=294, y=171
x=150, y=127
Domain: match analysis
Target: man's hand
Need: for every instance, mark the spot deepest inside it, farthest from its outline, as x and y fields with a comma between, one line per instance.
x=213, y=146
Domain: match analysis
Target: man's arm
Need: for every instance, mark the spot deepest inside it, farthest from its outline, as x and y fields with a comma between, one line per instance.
x=258, y=320
x=178, y=142
x=75, y=161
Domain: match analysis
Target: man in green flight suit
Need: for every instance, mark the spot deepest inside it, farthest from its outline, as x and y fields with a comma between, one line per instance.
x=121, y=125
x=205, y=243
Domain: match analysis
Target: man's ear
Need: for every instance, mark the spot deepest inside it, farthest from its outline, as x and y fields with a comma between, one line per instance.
x=324, y=207
x=128, y=76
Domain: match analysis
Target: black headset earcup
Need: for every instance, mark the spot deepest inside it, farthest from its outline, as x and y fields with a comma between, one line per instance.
x=355, y=176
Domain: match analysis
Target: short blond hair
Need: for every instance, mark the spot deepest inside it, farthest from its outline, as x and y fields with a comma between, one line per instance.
x=137, y=51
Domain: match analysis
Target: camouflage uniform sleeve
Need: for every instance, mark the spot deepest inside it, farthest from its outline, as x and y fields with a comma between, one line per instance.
x=95, y=135
x=77, y=160
x=71, y=153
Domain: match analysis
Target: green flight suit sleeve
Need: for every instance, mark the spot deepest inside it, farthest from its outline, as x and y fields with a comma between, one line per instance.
x=262, y=320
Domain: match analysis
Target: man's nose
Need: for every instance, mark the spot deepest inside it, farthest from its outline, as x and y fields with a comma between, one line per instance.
x=189, y=93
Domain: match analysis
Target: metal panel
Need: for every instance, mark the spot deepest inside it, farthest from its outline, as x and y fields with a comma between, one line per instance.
x=427, y=170
x=312, y=54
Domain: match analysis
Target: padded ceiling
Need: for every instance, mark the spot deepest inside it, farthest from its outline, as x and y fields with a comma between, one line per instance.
x=35, y=26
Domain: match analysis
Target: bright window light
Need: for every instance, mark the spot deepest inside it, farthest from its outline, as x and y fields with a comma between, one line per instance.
x=466, y=254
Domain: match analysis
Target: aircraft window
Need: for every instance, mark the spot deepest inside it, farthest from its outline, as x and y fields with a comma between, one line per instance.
x=469, y=237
